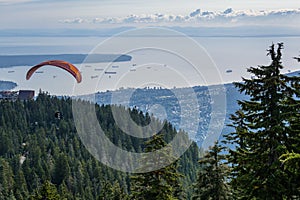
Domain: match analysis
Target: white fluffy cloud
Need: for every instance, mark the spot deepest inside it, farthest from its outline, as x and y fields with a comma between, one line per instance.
x=73, y=21
x=199, y=17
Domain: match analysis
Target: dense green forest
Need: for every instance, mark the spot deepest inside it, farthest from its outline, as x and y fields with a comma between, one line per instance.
x=42, y=157
x=38, y=150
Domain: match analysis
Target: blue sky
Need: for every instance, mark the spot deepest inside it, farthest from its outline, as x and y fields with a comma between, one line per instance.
x=82, y=14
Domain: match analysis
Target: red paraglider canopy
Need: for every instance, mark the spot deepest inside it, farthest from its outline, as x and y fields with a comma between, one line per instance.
x=58, y=63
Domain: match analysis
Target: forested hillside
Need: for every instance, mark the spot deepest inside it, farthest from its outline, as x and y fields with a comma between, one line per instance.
x=42, y=155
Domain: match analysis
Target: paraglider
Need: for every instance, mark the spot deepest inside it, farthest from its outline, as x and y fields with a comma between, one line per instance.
x=58, y=63
x=58, y=115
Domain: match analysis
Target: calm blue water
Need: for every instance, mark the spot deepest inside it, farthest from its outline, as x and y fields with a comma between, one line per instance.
x=235, y=53
x=230, y=51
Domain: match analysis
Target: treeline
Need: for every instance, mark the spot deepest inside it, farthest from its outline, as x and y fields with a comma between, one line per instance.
x=42, y=156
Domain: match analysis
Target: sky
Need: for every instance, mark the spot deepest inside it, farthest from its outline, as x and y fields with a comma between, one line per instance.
x=20, y=14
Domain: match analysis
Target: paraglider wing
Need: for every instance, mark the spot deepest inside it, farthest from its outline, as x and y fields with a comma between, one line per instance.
x=58, y=63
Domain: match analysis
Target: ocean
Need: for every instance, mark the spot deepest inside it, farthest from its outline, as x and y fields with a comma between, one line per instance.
x=231, y=57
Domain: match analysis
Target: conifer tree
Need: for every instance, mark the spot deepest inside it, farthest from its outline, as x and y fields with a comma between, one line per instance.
x=263, y=133
x=61, y=170
x=291, y=160
x=20, y=186
x=160, y=184
x=48, y=191
x=6, y=180
x=212, y=182
x=112, y=192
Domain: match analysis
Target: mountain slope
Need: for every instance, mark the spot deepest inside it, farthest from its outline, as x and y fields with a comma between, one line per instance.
x=36, y=147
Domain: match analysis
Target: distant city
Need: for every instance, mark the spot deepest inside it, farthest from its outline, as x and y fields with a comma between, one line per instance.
x=144, y=99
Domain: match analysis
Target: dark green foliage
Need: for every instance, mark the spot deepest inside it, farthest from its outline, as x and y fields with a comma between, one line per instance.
x=61, y=169
x=291, y=160
x=6, y=180
x=112, y=192
x=265, y=128
x=36, y=147
x=159, y=184
x=212, y=182
x=47, y=191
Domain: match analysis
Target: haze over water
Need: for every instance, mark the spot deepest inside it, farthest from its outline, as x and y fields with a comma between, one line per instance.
x=234, y=53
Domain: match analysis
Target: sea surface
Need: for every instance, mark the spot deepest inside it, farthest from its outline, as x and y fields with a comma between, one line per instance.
x=231, y=56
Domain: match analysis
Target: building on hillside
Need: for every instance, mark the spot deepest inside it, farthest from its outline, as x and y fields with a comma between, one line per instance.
x=26, y=94
x=14, y=95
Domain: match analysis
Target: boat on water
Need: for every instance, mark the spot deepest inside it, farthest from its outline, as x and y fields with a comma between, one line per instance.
x=96, y=76
x=109, y=72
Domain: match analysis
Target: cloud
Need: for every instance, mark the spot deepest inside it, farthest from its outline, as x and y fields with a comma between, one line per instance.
x=199, y=17
x=73, y=21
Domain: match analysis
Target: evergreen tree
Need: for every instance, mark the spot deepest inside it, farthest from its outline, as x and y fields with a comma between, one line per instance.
x=160, y=184
x=112, y=192
x=21, y=190
x=263, y=133
x=63, y=191
x=291, y=160
x=61, y=169
x=48, y=191
x=6, y=180
x=213, y=176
